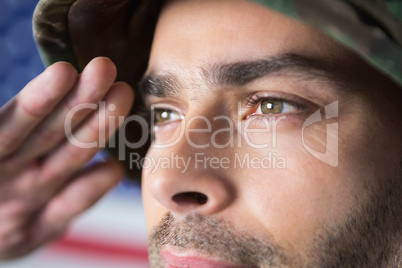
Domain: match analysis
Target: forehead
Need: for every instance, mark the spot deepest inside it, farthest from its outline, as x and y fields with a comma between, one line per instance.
x=201, y=32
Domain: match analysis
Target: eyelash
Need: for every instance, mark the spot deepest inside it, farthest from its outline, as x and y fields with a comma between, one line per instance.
x=254, y=101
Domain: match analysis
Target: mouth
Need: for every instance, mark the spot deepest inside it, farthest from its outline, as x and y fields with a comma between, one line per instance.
x=191, y=259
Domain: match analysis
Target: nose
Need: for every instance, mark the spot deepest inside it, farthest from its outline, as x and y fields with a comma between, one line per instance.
x=181, y=194
x=194, y=180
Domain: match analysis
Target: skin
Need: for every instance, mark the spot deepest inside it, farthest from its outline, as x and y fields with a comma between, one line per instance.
x=309, y=214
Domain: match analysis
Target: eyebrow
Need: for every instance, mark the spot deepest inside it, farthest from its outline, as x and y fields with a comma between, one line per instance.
x=238, y=74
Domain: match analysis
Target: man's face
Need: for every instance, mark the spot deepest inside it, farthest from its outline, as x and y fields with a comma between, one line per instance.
x=242, y=171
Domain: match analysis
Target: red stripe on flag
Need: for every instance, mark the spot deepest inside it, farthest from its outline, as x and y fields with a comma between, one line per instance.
x=100, y=249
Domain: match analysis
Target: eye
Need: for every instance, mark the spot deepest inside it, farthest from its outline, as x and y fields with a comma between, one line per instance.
x=261, y=105
x=269, y=106
x=164, y=116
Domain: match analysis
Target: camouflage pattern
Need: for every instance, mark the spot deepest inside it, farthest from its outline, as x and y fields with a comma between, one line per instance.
x=371, y=28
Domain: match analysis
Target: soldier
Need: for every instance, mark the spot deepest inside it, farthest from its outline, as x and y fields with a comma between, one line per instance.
x=231, y=86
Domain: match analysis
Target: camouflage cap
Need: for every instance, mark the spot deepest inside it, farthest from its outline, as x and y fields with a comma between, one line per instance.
x=78, y=30
x=371, y=28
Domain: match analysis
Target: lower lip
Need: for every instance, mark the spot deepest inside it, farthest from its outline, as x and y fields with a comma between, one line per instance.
x=186, y=260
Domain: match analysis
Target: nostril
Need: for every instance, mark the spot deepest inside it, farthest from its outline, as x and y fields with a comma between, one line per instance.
x=190, y=197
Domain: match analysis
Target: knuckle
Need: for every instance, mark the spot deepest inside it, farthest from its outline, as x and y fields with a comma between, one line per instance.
x=12, y=238
x=76, y=155
x=11, y=244
x=8, y=142
x=71, y=104
x=64, y=214
x=47, y=135
x=35, y=105
x=49, y=175
x=13, y=210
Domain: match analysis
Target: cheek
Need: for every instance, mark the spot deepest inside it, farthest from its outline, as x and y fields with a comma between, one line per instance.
x=302, y=199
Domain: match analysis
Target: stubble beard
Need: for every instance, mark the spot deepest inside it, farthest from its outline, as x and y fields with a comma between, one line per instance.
x=371, y=236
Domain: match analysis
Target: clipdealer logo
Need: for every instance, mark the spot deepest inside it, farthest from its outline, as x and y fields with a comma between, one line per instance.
x=330, y=156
